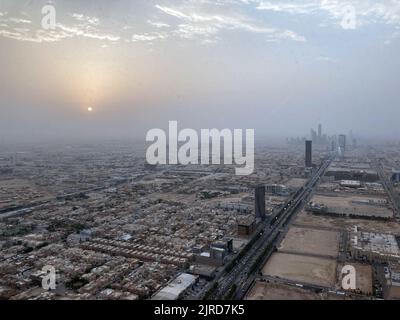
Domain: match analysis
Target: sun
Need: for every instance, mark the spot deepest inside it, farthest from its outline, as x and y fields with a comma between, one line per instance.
x=90, y=109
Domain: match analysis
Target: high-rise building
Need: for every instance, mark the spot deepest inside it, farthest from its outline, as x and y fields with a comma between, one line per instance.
x=308, y=153
x=320, y=131
x=260, y=202
x=13, y=160
x=314, y=136
x=342, y=142
x=395, y=175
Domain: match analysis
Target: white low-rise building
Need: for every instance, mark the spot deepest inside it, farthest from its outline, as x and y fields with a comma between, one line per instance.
x=175, y=289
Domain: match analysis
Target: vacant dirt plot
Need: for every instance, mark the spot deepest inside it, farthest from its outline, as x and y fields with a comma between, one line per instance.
x=354, y=205
x=306, y=219
x=363, y=277
x=277, y=291
x=312, y=270
x=296, y=183
x=311, y=241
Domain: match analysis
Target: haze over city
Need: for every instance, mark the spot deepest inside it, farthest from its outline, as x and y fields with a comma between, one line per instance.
x=199, y=150
x=279, y=67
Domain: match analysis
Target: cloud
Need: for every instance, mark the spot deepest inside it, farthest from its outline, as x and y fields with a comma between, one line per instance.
x=344, y=13
x=148, y=37
x=395, y=35
x=288, y=7
x=86, y=33
x=201, y=20
x=20, y=21
x=86, y=19
x=208, y=21
x=326, y=59
x=86, y=27
x=158, y=24
x=197, y=23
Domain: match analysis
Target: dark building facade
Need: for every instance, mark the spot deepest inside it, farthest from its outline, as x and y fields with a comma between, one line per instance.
x=308, y=153
x=395, y=175
x=260, y=202
x=246, y=228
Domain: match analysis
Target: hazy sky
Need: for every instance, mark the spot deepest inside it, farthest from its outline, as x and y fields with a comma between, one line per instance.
x=279, y=67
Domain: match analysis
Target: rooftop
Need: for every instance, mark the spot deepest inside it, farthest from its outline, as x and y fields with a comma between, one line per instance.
x=176, y=287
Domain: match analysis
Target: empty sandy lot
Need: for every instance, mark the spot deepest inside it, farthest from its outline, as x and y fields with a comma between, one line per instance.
x=363, y=277
x=353, y=204
x=318, y=271
x=296, y=183
x=311, y=241
x=277, y=291
x=338, y=223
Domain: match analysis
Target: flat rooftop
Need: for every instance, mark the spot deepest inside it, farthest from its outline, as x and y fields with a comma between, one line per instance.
x=176, y=287
x=380, y=243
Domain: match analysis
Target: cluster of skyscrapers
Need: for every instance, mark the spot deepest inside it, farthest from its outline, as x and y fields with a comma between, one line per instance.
x=318, y=137
x=338, y=143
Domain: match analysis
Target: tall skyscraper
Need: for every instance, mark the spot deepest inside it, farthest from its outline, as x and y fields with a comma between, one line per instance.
x=260, y=202
x=320, y=132
x=342, y=142
x=308, y=153
x=13, y=160
x=395, y=175
x=314, y=136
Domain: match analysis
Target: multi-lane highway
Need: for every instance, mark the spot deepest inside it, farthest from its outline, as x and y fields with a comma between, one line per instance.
x=389, y=189
x=235, y=280
x=387, y=184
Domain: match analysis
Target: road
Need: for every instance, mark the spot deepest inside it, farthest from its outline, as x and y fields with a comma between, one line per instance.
x=387, y=184
x=389, y=189
x=235, y=282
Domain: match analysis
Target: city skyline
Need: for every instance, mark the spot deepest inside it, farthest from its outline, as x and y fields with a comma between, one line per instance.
x=211, y=151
